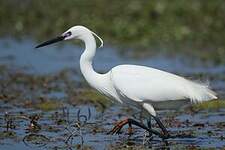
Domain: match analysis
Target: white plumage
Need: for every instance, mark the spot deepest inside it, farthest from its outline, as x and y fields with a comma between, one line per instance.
x=131, y=84
x=146, y=85
x=142, y=83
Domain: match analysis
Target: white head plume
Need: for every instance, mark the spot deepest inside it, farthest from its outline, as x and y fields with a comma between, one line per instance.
x=98, y=38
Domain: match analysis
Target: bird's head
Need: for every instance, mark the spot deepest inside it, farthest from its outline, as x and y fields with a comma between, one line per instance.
x=75, y=32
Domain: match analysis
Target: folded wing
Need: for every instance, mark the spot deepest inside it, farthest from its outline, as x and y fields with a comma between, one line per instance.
x=141, y=83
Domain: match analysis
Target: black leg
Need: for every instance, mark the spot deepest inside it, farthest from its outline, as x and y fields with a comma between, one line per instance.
x=130, y=130
x=166, y=133
x=149, y=123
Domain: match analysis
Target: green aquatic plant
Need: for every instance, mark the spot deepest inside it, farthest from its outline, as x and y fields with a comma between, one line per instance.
x=7, y=135
x=93, y=97
x=48, y=105
x=194, y=27
x=88, y=96
x=210, y=105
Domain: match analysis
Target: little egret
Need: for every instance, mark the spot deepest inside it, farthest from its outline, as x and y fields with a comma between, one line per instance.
x=133, y=85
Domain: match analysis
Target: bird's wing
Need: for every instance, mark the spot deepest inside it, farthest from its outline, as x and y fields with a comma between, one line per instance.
x=143, y=83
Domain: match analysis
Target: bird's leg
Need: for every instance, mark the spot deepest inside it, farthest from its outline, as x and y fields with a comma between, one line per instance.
x=118, y=126
x=122, y=123
x=149, y=123
x=165, y=132
x=130, y=129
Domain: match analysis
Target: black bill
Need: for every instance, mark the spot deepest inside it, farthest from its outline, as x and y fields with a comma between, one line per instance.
x=57, y=39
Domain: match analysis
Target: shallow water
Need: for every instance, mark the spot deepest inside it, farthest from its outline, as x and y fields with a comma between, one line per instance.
x=52, y=135
x=204, y=129
x=54, y=58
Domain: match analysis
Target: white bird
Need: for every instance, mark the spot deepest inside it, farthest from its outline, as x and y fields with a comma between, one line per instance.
x=133, y=85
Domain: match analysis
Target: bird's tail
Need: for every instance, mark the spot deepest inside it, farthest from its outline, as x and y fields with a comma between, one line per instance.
x=199, y=92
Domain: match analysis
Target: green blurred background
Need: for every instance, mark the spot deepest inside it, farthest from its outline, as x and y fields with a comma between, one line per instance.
x=193, y=27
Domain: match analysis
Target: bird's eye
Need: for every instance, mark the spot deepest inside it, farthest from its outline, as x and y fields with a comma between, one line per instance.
x=68, y=34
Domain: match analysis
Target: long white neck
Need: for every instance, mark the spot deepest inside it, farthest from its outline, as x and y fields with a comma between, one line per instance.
x=86, y=59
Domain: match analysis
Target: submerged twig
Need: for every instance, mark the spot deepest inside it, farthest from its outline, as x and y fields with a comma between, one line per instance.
x=74, y=130
x=9, y=121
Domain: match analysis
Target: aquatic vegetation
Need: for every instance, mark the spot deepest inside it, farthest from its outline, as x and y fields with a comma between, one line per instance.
x=35, y=139
x=48, y=105
x=194, y=27
x=7, y=134
x=89, y=96
x=210, y=105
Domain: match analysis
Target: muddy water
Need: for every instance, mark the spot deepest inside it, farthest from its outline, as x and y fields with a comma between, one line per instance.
x=75, y=125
